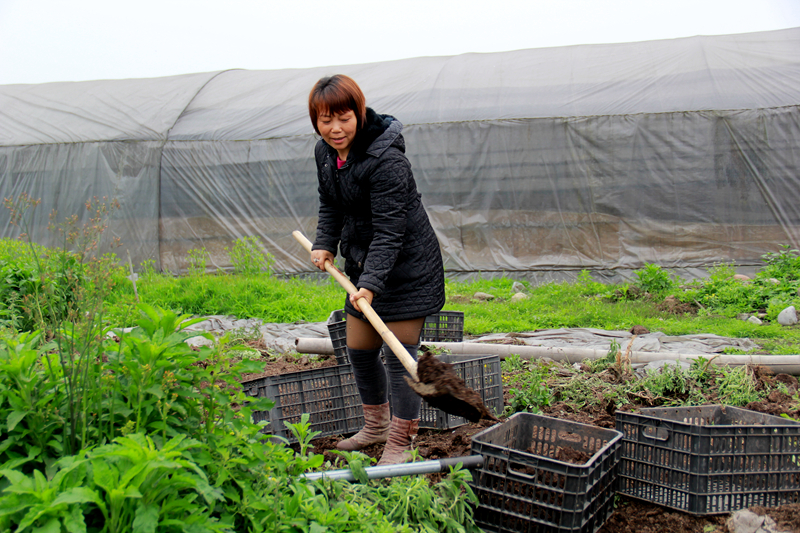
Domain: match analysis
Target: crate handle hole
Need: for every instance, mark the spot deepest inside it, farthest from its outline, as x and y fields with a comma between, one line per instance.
x=522, y=470
x=655, y=433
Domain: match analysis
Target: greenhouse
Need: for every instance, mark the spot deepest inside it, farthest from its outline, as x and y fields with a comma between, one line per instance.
x=535, y=164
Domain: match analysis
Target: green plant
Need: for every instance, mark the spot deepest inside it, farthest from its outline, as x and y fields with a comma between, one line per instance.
x=198, y=258
x=247, y=256
x=148, y=269
x=31, y=420
x=670, y=381
x=530, y=391
x=783, y=265
x=513, y=363
x=610, y=359
x=737, y=386
x=654, y=279
x=701, y=369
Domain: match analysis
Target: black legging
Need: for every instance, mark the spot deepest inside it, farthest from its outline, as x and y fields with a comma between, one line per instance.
x=371, y=380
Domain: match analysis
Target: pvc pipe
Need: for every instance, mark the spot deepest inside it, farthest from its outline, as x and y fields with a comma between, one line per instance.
x=780, y=364
x=405, y=469
x=322, y=346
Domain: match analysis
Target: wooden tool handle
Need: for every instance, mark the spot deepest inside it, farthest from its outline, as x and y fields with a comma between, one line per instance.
x=385, y=333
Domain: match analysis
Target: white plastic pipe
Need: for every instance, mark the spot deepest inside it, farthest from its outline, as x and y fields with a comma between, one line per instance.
x=780, y=364
x=403, y=469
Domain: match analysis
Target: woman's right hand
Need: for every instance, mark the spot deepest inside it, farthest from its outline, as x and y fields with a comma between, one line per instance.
x=319, y=257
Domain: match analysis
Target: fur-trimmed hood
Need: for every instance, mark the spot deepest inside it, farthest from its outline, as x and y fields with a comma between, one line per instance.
x=378, y=133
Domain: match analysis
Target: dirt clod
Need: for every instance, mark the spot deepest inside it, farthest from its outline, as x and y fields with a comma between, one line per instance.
x=443, y=389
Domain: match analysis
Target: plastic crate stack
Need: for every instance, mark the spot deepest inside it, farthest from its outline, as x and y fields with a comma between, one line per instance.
x=481, y=373
x=330, y=397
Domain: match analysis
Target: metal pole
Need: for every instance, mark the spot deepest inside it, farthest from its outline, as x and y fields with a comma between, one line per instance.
x=405, y=469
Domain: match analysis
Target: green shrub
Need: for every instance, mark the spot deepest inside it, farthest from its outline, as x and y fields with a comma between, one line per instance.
x=247, y=257
x=783, y=265
x=654, y=280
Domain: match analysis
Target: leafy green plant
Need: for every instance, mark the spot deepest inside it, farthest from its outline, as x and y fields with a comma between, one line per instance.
x=198, y=259
x=530, y=391
x=148, y=269
x=669, y=385
x=737, y=386
x=654, y=279
x=783, y=265
x=513, y=363
x=247, y=256
x=30, y=419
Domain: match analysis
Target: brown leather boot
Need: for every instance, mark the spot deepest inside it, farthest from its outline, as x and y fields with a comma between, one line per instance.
x=398, y=446
x=375, y=430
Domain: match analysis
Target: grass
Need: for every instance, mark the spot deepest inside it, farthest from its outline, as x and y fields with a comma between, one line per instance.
x=249, y=293
x=582, y=304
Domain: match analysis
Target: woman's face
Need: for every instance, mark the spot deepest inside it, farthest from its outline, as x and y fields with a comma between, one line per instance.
x=338, y=130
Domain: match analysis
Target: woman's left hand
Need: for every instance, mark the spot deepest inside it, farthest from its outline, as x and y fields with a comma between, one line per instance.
x=362, y=293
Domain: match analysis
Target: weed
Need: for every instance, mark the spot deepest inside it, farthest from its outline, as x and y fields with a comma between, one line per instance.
x=148, y=269
x=737, y=386
x=247, y=257
x=783, y=265
x=513, y=363
x=198, y=258
x=700, y=370
x=654, y=279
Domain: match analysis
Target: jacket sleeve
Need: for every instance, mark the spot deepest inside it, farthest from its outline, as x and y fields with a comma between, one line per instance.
x=389, y=196
x=331, y=217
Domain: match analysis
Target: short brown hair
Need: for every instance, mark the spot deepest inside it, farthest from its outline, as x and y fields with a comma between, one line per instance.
x=337, y=94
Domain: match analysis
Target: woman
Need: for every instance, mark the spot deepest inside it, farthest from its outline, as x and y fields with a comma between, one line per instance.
x=371, y=211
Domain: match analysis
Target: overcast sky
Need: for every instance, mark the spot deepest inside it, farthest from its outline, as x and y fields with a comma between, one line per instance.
x=74, y=40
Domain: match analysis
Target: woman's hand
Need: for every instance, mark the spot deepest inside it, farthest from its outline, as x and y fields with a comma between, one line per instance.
x=362, y=293
x=319, y=257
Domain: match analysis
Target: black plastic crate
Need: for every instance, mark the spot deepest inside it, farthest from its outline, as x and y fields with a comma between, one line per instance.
x=337, y=329
x=482, y=374
x=329, y=395
x=524, y=486
x=712, y=459
x=444, y=326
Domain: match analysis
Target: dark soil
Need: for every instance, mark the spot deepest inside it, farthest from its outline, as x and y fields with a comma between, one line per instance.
x=630, y=515
x=443, y=389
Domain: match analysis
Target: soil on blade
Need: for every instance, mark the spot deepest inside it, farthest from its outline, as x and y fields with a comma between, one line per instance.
x=449, y=392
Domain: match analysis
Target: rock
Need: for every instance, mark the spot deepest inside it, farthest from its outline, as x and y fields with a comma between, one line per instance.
x=519, y=296
x=746, y=521
x=517, y=287
x=483, y=296
x=741, y=277
x=755, y=320
x=773, y=281
x=199, y=341
x=788, y=317
x=742, y=316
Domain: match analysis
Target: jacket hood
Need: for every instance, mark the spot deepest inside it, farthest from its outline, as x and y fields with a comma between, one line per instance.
x=378, y=134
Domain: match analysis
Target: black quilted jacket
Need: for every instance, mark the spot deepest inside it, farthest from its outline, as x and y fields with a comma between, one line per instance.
x=371, y=211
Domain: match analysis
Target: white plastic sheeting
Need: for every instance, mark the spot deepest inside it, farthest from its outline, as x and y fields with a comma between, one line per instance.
x=534, y=163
